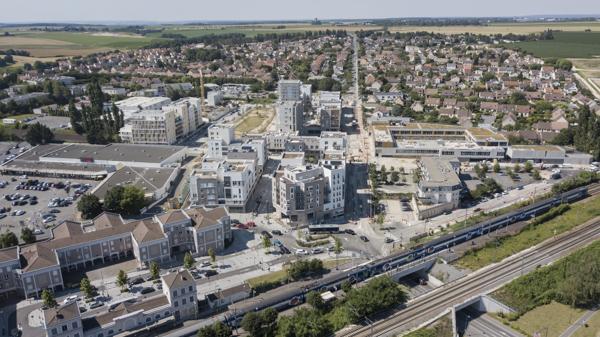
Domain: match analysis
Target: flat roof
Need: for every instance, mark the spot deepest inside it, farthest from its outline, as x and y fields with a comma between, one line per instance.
x=481, y=134
x=111, y=152
x=546, y=148
x=439, y=172
x=430, y=126
x=148, y=179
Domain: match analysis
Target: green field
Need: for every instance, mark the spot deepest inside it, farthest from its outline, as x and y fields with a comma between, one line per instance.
x=577, y=215
x=564, y=45
x=550, y=320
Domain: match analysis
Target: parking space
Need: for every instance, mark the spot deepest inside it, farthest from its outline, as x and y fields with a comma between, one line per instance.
x=38, y=202
x=10, y=150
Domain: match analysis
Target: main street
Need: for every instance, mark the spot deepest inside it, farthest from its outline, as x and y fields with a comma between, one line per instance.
x=427, y=307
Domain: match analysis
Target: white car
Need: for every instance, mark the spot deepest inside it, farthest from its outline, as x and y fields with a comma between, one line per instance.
x=301, y=252
x=49, y=219
x=70, y=299
x=18, y=212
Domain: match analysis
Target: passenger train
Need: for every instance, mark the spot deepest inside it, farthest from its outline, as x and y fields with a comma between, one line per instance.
x=294, y=294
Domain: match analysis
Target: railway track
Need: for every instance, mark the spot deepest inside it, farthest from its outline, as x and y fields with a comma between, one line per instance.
x=434, y=303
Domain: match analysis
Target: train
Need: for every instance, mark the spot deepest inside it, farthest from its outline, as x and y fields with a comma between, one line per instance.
x=294, y=294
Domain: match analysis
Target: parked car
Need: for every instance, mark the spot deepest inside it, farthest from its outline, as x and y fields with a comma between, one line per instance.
x=96, y=305
x=364, y=238
x=350, y=231
x=267, y=234
x=136, y=280
x=389, y=240
x=277, y=232
x=147, y=290
x=317, y=250
x=301, y=252
x=210, y=272
x=70, y=299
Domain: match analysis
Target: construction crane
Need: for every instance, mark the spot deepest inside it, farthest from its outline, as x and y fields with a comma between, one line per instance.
x=203, y=112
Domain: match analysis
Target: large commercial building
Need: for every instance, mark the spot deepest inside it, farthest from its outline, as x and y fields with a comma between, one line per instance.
x=438, y=140
x=178, y=302
x=157, y=120
x=307, y=194
x=230, y=170
x=107, y=238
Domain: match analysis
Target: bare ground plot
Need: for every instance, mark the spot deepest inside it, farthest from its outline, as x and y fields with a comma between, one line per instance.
x=255, y=121
x=515, y=28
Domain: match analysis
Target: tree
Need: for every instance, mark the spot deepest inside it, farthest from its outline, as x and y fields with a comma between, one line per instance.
x=266, y=242
x=154, y=270
x=39, y=134
x=48, y=299
x=86, y=287
x=133, y=200
x=536, y=175
x=304, y=323
x=395, y=177
x=315, y=300
x=8, y=239
x=112, y=199
x=528, y=166
x=89, y=205
x=122, y=280
x=213, y=256
x=337, y=249
x=188, y=261
x=517, y=168
x=27, y=235
x=496, y=167
x=218, y=329
x=252, y=323
x=75, y=118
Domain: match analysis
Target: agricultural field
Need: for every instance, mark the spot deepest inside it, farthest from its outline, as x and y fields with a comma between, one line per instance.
x=584, y=45
x=504, y=28
x=253, y=30
x=56, y=44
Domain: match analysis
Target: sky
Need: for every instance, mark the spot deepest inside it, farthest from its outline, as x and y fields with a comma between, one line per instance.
x=232, y=10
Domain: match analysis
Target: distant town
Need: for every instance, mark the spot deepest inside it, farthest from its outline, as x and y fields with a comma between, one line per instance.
x=349, y=181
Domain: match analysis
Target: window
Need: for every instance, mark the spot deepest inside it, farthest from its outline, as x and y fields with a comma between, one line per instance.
x=74, y=325
x=176, y=304
x=76, y=334
x=182, y=291
x=101, y=335
x=148, y=319
x=174, y=293
x=54, y=332
x=64, y=328
x=183, y=301
x=191, y=299
x=190, y=288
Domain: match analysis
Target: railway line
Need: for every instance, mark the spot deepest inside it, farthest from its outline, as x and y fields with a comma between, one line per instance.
x=432, y=304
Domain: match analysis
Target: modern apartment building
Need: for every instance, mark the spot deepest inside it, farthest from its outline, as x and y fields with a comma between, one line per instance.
x=177, y=302
x=290, y=90
x=107, y=238
x=290, y=116
x=309, y=193
x=439, y=187
x=330, y=110
x=157, y=120
x=229, y=171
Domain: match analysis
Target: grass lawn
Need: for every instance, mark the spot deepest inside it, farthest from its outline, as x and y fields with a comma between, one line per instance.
x=577, y=215
x=564, y=44
x=268, y=278
x=593, y=328
x=553, y=317
x=253, y=121
x=330, y=264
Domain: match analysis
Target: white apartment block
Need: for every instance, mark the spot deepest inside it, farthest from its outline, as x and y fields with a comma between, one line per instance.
x=230, y=169
x=307, y=194
x=214, y=98
x=157, y=120
x=290, y=90
x=329, y=108
x=290, y=116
